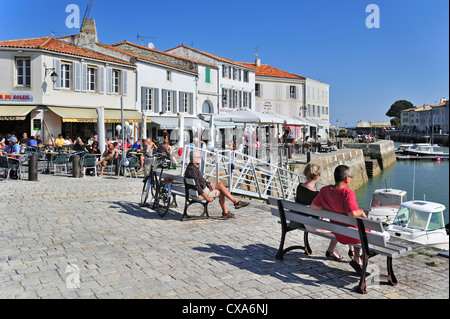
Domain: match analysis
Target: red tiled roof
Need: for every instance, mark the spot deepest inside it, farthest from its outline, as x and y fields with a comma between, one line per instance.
x=54, y=45
x=140, y=56
x=210, y=55
x=438, y=105
x=267, y=70
x=150, y=49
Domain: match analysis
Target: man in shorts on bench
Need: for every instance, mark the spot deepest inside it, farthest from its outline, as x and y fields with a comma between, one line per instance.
x=207, y=191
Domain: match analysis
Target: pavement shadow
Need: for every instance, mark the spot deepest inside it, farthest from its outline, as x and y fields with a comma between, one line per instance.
x=134, y=209
x=296, y=267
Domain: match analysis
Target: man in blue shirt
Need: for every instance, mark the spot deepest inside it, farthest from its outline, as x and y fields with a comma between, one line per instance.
x=13, y=147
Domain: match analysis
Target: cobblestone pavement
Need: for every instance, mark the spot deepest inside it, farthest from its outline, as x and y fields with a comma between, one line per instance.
x=61, y=229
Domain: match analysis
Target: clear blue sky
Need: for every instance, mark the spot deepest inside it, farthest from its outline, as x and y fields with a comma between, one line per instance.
x=327, y=40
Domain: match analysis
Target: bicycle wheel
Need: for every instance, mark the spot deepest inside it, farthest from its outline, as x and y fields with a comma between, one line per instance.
x=163, y=200
x=145, y=191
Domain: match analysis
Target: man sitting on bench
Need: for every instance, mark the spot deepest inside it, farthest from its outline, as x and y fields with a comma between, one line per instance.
x=341, y=199
x=206, y=190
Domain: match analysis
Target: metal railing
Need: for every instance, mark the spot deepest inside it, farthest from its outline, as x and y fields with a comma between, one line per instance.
x=246, y=175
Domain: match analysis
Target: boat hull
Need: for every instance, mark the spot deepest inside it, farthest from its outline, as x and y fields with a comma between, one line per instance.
x=436, y=238
x=385, y=215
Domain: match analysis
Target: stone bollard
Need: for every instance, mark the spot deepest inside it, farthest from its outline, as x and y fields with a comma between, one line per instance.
x=33, y=168
x=76, y=167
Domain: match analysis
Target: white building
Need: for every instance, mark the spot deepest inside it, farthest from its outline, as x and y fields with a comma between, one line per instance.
x=317, y=106
x=278, y=92
x=416, y=119
x=166, y=86
x=439, y=117
x=84, y=81
x=231, y=84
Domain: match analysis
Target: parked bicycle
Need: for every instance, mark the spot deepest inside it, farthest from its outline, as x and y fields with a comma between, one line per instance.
x=157, y=186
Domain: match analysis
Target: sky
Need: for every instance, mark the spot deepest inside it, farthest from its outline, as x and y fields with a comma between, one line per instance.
x=368, y=69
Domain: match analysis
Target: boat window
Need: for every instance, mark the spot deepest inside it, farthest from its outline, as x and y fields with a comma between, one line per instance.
x=436, y=221
x=382, y=199
x=418, y=220
x=402, y=216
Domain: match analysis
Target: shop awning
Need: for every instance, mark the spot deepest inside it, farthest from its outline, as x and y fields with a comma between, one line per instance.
x=89, y=115
x=75, y=114
x=15, y=112
x=115, y=116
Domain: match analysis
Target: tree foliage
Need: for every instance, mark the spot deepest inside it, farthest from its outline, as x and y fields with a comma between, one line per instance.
x=397, y=107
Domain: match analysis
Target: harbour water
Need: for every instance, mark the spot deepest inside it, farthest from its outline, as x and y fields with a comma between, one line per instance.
x=431, y=181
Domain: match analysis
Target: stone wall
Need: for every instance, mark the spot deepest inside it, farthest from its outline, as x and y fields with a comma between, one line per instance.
x=382, y=150
x=328, y=162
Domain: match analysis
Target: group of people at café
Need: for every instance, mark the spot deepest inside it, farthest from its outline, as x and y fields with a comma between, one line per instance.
x=12, y=145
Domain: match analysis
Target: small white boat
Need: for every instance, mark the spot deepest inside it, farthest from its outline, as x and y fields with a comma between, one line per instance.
x=385, y=204
x=400, y=149
x=424, y=149
x=421, y=222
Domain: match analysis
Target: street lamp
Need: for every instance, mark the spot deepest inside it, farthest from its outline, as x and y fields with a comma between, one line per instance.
x=51, y=71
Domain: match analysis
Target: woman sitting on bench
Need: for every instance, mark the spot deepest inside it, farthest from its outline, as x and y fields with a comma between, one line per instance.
x=305, y=194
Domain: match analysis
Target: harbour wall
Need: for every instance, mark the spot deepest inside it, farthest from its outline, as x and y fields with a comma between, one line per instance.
x=360, y=157
x=383, y=151
x=353, y=158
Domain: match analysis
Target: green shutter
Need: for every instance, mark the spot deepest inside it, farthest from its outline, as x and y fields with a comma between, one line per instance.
x=208, y=75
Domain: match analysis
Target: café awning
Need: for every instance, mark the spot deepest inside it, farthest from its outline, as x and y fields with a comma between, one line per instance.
x=15, y=112
x=115, y=116
x=89, y=115
x=75, y=114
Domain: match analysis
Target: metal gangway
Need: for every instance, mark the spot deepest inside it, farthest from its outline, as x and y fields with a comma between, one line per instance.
x=246, y=175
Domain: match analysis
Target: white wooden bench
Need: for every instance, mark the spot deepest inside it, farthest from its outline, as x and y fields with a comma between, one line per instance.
x=183, y=187
x=296, y=216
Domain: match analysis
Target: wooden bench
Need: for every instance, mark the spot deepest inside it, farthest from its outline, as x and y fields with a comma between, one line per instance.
x=182, y=186
x=298, y=216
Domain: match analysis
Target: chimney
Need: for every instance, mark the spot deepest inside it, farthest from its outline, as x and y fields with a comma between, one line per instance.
x=258, y=62
x=88, y=32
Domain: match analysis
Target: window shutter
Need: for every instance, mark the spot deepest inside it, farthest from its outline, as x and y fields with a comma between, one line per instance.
x=175, y=104
x=57, y=66
x=181, y=100
x=240, y=99
x=261, y=90
x=143, y=99
x=288, y=92
x=297, y=92
x=191, y=103
x=83, y=77
x=208, y=75
x=125, y=83
x=102, y=80
x=77, y=77
x=164, y=100
x=108, y=80
x=156, y=100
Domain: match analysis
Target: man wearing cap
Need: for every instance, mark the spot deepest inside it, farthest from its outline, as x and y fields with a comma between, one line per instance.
x=13, y=147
